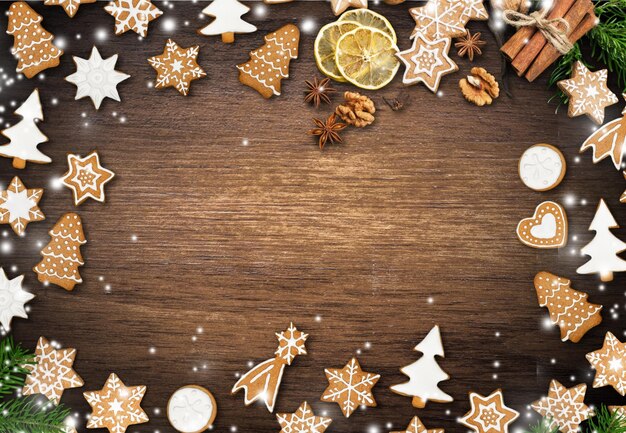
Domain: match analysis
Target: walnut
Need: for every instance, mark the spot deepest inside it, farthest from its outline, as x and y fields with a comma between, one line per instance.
x=357, y=111
x=480, y=87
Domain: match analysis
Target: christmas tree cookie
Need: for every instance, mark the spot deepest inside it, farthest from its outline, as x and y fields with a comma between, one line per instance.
x=62, y=256
x=25, y=136
x=568, y=308
x=227, y=21
x=269, y=64
x=32, y=45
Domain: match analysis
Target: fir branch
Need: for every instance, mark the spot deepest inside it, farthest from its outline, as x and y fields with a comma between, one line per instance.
x=32, y=415
x=608, y=38
x=543, y=426
x=607, y=421
x=13, y=359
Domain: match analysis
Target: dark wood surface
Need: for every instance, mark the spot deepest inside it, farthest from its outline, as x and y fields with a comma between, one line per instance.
x=365, y=245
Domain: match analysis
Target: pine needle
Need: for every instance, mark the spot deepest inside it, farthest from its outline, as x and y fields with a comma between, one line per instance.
x=13, y=359
x=607, y=421
x=608, y=38
x=32, y=415
x=543, y=426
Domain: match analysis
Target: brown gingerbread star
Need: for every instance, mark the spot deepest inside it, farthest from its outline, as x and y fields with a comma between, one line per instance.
x=489, y=414
x=416, y=426
x=86, y=177
x=177, y=67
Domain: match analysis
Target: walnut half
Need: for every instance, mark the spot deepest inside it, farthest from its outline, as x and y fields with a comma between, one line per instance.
x=480, y=87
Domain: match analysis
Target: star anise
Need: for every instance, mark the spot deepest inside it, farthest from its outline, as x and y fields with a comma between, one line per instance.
x=328, y=130
x=318, y=91
x=469, y=44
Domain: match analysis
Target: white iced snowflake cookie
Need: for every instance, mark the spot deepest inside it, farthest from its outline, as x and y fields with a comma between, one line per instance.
x=191, y=409
x=12, y=299
x=542, y=167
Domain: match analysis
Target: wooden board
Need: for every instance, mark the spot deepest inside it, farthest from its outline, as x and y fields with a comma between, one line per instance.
x=242, y=225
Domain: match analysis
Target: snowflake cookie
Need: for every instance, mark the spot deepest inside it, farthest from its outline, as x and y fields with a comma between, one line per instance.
x=610, y=364
x=176, y=67
x=302, y=420
x=564, y=407
x=96, y=78
x=12, y=299
x=489, y=414
x=416, y=426
x=350, y=387
x=86, y=177
x=133, y=15
x=70, y=6
x=52, y=373
x=116, y=406
x=18, y=206
x=587, y=93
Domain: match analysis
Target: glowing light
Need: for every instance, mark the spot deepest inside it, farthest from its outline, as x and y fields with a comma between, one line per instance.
x=308, y=25
x=260, y=10
x=168, y=25
x=101, y=35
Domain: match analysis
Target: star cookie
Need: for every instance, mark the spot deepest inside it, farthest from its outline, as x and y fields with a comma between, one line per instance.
x=86, y=177
x=52, y=373
x=339, y=6
x=176, y=67
x=564, y=407
x=18, y=206
x=116, y=406
x=427, y=61
x=587, y=93
x=489, y=414
x=133, y=15
x=440, y=19
x=302, y=420
x=350, y=387
x=416, y=426
x=96, y=78
x=70, y=6
x=610, y=364
x=12, y=299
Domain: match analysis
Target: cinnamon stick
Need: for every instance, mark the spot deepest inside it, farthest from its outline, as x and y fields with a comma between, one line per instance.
x=519, y=40
x=534, y=46
x=549, y=54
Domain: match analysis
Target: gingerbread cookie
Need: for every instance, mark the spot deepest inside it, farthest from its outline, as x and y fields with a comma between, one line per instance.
x=609, y=141
x=339, y=6
x=32, y=46
x=12, y=299
x=62, y=257
x=86, y=177
x=116, y=406
x=609, y=362
x=416, y=426
x=350, y=387
x=269, y=64
x=302, y=420
x=569, y=308
x=177, y=67
x=542, y=167
x=227, y=20
x=587, y=93
x=18, y=206
x=191, y=409
x=133, y=15
x=263, y=380
x=70, y=6
x=547, y=228
x=564, y=407
x=489, y=414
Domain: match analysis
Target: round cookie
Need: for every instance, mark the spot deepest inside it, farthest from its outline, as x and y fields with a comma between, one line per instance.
x=191, y=409
x=542, y=167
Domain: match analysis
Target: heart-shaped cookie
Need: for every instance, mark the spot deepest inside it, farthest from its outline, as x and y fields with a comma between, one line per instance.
x=547, y=228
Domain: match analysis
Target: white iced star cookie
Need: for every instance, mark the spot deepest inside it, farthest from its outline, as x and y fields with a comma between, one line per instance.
x=12, y=299
x=96, y=78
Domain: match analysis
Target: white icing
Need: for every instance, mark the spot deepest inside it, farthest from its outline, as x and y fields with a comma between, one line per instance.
x=12, y=299
x=227, y=15
x=540, y=167
x=547, y=228
x=191, y=409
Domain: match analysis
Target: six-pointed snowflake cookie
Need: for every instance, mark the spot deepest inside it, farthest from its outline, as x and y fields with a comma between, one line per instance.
x=52, y=373
x=177, y=67
x=350, y=387
x=610, y=364
x=86, y=177
x=133, y=15
x=302, y=420
x=416, y=426
x=96, y=78
x=70, y=6
x=564, y=407
x=18, y=206
x=587, y=93
x=489, y=414
x=116, y=406
x=12, y=299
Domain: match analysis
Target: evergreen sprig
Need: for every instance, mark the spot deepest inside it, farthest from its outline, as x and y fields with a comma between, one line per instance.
x=32, y=415
x=603, y=421
x=13, y=359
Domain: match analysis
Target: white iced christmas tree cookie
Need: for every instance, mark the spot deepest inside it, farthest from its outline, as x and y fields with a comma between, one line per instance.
x=96, y=78
x=12, y=299
x=604, y=247
x=424, y=374
x=25, y=136
x=227, y=21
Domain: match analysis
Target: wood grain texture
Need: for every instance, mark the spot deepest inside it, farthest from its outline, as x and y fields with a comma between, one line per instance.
x=350, y=243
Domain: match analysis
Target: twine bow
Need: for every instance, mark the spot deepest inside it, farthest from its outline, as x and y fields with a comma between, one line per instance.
x=555, y=30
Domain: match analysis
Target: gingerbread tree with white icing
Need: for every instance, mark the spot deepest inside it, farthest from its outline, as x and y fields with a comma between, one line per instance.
x=227, y=21
x=269, y=64
x=62, y=256
x=569, y=308
x=32, y=44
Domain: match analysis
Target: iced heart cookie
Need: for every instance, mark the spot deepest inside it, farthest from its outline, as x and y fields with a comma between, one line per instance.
x=542, y=167
x=547, y=228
